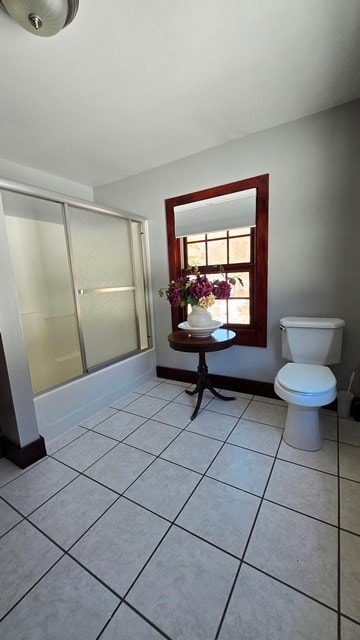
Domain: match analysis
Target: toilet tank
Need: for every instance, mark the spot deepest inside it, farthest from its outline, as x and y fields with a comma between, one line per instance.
x=312, y=340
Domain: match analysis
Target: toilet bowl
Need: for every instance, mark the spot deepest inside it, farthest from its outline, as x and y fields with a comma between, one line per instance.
x=306, y=388
x=306, y=383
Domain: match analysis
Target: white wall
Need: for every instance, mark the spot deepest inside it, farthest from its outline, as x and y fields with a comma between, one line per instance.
x=314, y=232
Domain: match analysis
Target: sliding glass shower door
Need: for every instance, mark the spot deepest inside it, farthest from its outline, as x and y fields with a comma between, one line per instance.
x=103, y=261
x=80, y=280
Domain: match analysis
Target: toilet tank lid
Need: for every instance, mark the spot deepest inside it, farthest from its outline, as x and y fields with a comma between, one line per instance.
x=320, y=323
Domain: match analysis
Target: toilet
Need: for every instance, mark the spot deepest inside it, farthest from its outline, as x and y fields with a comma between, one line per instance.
x=306, y=383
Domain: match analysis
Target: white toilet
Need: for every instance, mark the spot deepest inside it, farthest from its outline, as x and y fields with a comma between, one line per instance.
x=305, y=383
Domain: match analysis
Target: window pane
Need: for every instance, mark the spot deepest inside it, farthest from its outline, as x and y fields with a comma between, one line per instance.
x=243, y=231
x=240, y=290
x=217, y=253
x=216, y=234
x=196, y=254
x=219, y=311
x=239, y=311
x=196, y=238
x=239, y=249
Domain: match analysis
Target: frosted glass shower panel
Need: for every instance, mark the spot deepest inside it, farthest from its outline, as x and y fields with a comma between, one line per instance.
x=43, y=282
x=101, y=249
x=107, y=332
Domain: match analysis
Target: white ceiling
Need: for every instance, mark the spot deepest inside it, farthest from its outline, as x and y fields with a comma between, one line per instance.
x=133, y=84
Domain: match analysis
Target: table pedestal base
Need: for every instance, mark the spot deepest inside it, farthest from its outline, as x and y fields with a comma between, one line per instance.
x=203, y=383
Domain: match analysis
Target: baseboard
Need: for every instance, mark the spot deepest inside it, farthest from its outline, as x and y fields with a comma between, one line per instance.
x=242, y=385
x=23, y=456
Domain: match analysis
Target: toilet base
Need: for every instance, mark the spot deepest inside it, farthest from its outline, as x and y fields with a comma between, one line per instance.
x=303, y=429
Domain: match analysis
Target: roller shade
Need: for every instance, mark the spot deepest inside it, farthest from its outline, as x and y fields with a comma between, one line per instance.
x=231, y=211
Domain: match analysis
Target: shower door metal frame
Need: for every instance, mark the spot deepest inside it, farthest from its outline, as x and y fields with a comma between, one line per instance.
x=66, y=202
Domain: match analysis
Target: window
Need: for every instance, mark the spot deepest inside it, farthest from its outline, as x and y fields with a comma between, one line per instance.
x=227, y=226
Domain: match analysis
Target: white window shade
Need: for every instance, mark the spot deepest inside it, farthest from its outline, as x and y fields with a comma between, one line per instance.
x=231, y=211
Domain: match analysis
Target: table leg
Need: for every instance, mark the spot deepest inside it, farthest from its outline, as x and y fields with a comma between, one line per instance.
x=203, y=382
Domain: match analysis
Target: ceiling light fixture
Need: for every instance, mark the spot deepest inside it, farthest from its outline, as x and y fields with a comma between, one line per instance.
x=42, y=17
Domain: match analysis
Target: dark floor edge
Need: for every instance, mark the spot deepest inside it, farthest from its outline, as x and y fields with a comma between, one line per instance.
x=23, y=456
x=242, y=385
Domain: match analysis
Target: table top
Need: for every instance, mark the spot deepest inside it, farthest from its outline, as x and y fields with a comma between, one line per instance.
x=220, y=339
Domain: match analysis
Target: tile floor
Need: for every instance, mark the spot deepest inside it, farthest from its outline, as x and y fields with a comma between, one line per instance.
x=142, y=525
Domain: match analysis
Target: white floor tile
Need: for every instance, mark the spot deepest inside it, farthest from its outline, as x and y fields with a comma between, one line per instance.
x=58, y=443
x=116, y=548
x=8, y=517
x=184, y=588
x=212, y=424
x=120, y=467
x=349, y=630
x=350, y=574
x=153, y=436
x=84, y=451
x=349, y=462
x=349, y=431
x=311, y=492
x=34, y=487
x=122, y=402
x=192, y=451
x=296, y=549
x=234, y=408
x=262, y=608
x=350, y=505
x=174, y=414
x=221, y=515
x=164, y=487
x=128, y=625
x=323, y=460
x=267, y=413
x=165, y=391
x=256, y=436
x=8, y=471
x=120, y=425
x=25, y=555
x=146, y=406
x=190, y=401
x=241, y=468
x=98, y=417
x=67, y=603
x=66, y=516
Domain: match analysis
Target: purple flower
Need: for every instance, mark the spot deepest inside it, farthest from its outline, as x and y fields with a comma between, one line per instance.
x=193, y=287
x=173, y=294
x=200, y=288
x=221, y=289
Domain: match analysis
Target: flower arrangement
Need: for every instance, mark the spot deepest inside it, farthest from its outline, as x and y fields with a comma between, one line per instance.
x=196, y=289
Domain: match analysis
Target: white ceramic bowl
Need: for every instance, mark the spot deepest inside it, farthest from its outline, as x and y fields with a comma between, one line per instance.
x=200, y=332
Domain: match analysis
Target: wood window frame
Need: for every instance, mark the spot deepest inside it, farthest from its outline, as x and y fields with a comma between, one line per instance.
x=254, y=334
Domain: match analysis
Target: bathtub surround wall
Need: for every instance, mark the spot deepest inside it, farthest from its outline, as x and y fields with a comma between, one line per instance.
x=314, y=230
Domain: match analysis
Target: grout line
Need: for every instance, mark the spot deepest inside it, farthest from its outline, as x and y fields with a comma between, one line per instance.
x=338, y=537
x=246, y=547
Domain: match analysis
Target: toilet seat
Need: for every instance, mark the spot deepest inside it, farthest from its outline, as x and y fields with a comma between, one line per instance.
x=306, y=379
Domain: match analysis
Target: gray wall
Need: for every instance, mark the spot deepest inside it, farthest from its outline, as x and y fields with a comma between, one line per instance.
x=314, y=233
